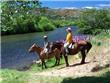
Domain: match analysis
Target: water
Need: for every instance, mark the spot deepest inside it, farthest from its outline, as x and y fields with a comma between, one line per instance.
x=75, y=3
x=14, y=48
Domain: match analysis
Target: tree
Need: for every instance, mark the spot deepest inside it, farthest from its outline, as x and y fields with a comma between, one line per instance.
x=93, y=21
x=16, y=14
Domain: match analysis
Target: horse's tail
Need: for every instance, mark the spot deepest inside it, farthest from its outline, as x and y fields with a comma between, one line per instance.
x=89, y=46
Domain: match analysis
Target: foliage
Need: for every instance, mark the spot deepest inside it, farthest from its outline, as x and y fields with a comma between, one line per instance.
x=93, y=21
x=45, y=24
x=18, y=16
x=28, y=16
x=63, y=23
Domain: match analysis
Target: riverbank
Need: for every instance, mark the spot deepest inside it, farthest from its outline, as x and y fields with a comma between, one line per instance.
x=96, y=70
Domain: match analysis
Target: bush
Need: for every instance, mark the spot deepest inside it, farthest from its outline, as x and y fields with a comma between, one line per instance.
x=57, y=23
x=94, y=21
x=45, y=24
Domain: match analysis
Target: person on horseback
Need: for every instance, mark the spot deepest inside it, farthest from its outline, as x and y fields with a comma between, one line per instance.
x=46, y=44
x=69, y=39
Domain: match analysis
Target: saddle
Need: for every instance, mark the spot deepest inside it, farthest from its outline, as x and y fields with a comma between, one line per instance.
x=72, y=45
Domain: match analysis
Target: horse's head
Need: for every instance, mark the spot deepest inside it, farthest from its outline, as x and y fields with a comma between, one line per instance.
x=32, y=48
x=36, y=48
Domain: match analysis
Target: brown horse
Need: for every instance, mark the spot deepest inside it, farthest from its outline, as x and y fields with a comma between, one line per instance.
x=42, y=55
x=80, y=46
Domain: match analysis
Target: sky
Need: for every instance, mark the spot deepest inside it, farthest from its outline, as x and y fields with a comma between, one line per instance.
x=70, y=4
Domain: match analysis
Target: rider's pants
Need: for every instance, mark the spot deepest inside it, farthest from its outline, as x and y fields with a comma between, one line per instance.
x=66, y=45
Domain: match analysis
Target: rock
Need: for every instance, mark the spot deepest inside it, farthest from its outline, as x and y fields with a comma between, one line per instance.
x=96, y=68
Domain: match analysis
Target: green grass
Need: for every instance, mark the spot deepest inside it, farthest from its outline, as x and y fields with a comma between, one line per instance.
x=13, y=76
x=100, y=39
x=103, y=35
x=49, y=63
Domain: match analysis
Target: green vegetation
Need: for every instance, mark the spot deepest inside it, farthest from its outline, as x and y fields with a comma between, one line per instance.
x=17, y=17
x=50, y=64
x=27, y=16
x=93, y=21
x=13, y=76
x=45, y=24
x=97, y=40
x=103, y=35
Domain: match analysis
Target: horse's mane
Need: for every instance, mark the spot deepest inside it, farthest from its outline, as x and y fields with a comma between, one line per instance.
x=38, y=46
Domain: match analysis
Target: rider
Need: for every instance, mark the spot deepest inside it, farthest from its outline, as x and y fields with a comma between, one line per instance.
x=46, y=44
x=68, y=39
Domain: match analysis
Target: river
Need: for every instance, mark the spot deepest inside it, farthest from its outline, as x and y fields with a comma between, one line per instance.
x=14, y=48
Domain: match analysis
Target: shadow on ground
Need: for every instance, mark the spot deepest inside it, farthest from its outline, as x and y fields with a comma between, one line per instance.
x=105, y=78
x=77, y=64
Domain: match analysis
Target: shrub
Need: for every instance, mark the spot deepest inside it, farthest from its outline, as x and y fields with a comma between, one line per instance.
x=94, y=21
x=45, y=24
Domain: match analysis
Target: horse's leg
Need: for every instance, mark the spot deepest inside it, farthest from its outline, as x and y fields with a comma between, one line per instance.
x=42, y=64
x=45, y=64
x=66, y=59
x=55, y=61
x=58, y=60
x=89, y=46
x=59, y=57
x=83, y=56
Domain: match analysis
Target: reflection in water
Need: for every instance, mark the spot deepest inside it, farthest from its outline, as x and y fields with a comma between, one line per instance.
x=15, y=47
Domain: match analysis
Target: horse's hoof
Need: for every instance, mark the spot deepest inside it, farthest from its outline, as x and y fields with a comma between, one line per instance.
x=67, y=65
x=82, y=62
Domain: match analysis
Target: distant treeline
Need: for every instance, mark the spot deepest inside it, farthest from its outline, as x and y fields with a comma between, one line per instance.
x=29, y=16
x=94, y=21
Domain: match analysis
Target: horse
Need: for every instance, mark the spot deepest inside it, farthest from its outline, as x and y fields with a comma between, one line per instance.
x=79, y=46
x=43, y=55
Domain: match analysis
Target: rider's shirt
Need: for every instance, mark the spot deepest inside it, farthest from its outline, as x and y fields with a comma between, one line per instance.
x=46, y=44
x=69, y=38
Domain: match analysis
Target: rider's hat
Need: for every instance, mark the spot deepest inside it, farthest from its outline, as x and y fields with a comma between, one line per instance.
x=68, y=29
x=45, y=37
